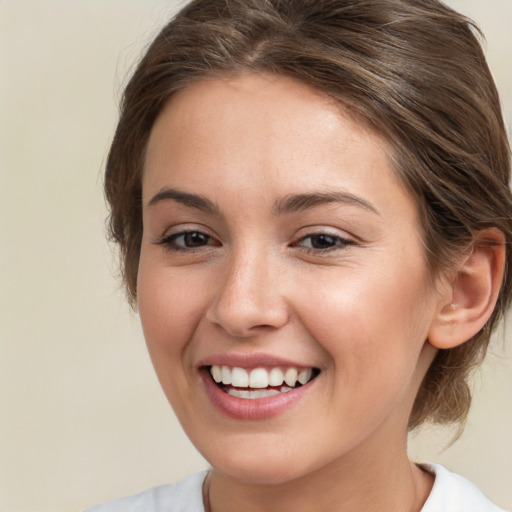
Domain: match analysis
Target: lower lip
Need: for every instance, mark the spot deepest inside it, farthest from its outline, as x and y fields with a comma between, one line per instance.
x=252, y=409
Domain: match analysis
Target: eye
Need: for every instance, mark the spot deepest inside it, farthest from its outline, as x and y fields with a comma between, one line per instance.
x=322, y=242
x=186, y=241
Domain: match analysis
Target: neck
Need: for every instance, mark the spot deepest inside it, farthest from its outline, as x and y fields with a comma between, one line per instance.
x=377, y=481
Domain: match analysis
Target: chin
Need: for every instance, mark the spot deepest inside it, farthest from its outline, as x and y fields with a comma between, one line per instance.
x=264, y=472
x=260, y=461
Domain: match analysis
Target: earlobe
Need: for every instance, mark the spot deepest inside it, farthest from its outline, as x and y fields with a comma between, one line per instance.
x=469, y=297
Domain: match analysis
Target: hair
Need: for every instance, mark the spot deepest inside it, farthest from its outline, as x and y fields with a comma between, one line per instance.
x=413, y=69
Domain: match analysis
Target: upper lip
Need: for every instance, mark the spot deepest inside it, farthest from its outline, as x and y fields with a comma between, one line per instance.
x=254, y=360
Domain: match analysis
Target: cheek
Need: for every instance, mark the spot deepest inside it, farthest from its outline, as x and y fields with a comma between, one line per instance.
x=170, y=305
x=364, y=317
x=373, y=330
x=170, y=308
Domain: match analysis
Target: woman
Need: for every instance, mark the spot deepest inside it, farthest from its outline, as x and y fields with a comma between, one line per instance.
x=311, y=200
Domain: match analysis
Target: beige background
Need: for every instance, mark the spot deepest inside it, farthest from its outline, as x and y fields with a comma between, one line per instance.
x=82, y=418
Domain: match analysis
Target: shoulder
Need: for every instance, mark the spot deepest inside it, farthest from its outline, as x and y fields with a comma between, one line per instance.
x=453, y=493
x=185, y=496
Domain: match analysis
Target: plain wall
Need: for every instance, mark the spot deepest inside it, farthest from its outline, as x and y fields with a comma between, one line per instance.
x=82, y=418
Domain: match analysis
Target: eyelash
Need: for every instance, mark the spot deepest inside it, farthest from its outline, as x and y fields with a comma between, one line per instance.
x=340, y=243
x=168, y=242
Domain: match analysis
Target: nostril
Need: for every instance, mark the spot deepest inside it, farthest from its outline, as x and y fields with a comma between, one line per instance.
x=244, y=322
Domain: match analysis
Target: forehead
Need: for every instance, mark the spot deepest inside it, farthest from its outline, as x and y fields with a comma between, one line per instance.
x=250, y=109
x=266, y=132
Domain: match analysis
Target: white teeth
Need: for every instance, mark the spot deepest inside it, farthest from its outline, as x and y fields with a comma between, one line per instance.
x=216, y=373
x=226, y=375
x=275, y=377
x=258, y=378
x=304, y=375
x=252, y=394
x=239, y=378
x=290, y=377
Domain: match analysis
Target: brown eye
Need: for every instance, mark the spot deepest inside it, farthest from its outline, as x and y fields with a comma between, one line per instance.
x=322, y=242
x=186, y=241
x=192, y=239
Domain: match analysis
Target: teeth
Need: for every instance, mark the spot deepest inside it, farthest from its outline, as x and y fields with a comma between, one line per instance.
x=275, y=377
x=239, y=378
x=290, y=377
x=216, y=374
x=226, y=375
x=256, y=393
x=260, y=378
x=252, y=394
x=304, y=375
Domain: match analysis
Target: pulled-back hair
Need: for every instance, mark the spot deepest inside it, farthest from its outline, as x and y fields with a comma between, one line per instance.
x=413, y=69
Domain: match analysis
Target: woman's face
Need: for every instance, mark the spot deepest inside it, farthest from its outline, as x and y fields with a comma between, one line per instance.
x=279, y=245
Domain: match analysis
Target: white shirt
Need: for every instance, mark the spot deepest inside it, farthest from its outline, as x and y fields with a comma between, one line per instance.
x=453, y=493
x=450, y=493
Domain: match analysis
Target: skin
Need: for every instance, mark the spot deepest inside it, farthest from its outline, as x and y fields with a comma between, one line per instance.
x=360, y=310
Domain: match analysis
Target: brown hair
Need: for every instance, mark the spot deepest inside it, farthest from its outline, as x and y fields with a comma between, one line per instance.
x=413, y=68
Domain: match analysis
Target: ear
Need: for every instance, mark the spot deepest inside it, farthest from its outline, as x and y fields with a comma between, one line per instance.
x=468, y=297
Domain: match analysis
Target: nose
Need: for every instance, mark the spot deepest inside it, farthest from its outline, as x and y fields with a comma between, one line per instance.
x=249, y=296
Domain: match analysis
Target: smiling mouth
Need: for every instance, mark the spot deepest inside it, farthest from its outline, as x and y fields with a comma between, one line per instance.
x=260, y=382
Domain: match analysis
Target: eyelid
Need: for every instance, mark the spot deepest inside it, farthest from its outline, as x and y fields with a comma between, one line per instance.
x=345, y=239
x=171, y=234
x=324, y=230
x=184, y=227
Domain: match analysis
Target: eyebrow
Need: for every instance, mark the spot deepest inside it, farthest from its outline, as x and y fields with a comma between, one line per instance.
x=288, y=204
x=192, y=200
x=301, y=202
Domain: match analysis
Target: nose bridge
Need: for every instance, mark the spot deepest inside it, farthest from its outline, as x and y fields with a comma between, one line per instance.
x=249, y=296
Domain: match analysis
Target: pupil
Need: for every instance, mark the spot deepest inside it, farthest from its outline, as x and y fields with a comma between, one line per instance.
x=322, y=241
x=195, y=239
